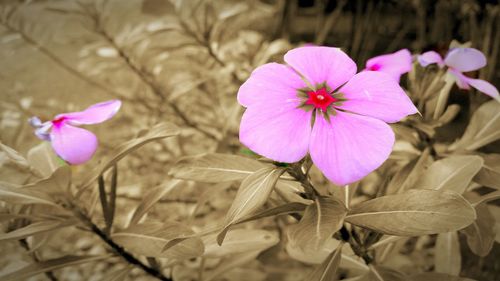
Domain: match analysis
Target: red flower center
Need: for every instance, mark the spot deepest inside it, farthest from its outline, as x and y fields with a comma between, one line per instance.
x=320, y=99
x=58, y=122
x=375, y=67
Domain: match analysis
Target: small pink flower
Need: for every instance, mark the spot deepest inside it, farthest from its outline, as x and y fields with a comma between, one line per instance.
x=395, y=64
x=318, y=104
x=73, y=144
x=459, y=60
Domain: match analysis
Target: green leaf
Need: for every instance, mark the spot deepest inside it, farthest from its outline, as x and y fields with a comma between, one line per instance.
x=483, y=128
x=414, y=213
x=431, y=276
x=328, y=269
x=252, y=195
x=489, y=175
x=159, y=131
x=152, y=197
x=320, y=221
x=19, y=195
x=453, y=173
x=239, y=241
x=215, y=167
x=34, y=228
x=481, y=233
x=149, y=239
x=447, y=258
x=49, y=265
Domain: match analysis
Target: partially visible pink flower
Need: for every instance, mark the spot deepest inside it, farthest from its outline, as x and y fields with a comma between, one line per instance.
x=318, y=104
x=458, y=61
x=395, y=64
x=73, y=144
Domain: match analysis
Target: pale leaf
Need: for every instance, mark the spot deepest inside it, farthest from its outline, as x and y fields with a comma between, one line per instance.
x=414, y=213
x=481, y=233
x=483, y=128
x=150, y=198
x=149, y=239
x=159, y=131
x=447, y=257
x=328, y=269
x=215, y=167
x=239, y=241
x=252, y=195
x=318, y=224
x=49, y=265
x=453, y=173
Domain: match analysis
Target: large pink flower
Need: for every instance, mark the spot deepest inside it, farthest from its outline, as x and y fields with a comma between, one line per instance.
x=459, y=60
x=318, y=104
x=73, y=144
x=394, y=64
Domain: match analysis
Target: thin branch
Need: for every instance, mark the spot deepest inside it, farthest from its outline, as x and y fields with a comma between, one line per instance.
x=119, y=250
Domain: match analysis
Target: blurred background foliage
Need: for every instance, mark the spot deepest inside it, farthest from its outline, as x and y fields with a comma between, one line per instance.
x=182, y=62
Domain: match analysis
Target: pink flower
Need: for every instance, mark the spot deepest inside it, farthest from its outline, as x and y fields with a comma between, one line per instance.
x=73, y=144
x=459, y=60
x=318, y=104
x=395, y=64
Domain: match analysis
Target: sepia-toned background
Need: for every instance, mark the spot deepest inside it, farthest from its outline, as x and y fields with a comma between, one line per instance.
x=182, y=62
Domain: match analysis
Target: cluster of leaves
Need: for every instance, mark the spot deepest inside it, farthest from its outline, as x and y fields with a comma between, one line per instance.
x=174, y=214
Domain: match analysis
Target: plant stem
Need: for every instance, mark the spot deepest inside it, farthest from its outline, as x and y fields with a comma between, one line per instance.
x=119, y=250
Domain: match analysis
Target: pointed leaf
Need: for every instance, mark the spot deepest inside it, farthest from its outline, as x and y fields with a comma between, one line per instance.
x=215, y=167
x=380, y=273
x=414, y=213
x=148, y=239
x=152, y=197
x=34, y=228
x=56, y=183
x=453, y=173
x=19, y=195
x=483, y=128
x=252, y=195
x=328, y=269
x=43, y=158
x=447, y=257
x=432, y=276
x=288, y=208
x=409, y=174
x=239, y=241
x=230, y=263
x=481, y=233
x=159, y=131
x=14, y=156
x=318, y=224
x=49, y=265
x=489, y=175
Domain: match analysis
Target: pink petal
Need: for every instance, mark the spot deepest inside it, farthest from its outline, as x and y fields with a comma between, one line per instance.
x=430, y=57
x=350, y=146
x=465, y=59
x=271, y=81
x=377, y=95
x=94, y=114
x=484, y=87
x=322, y=64
x=395, y=64
x=74, y=145
x=462, y=80
x=277, y=131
